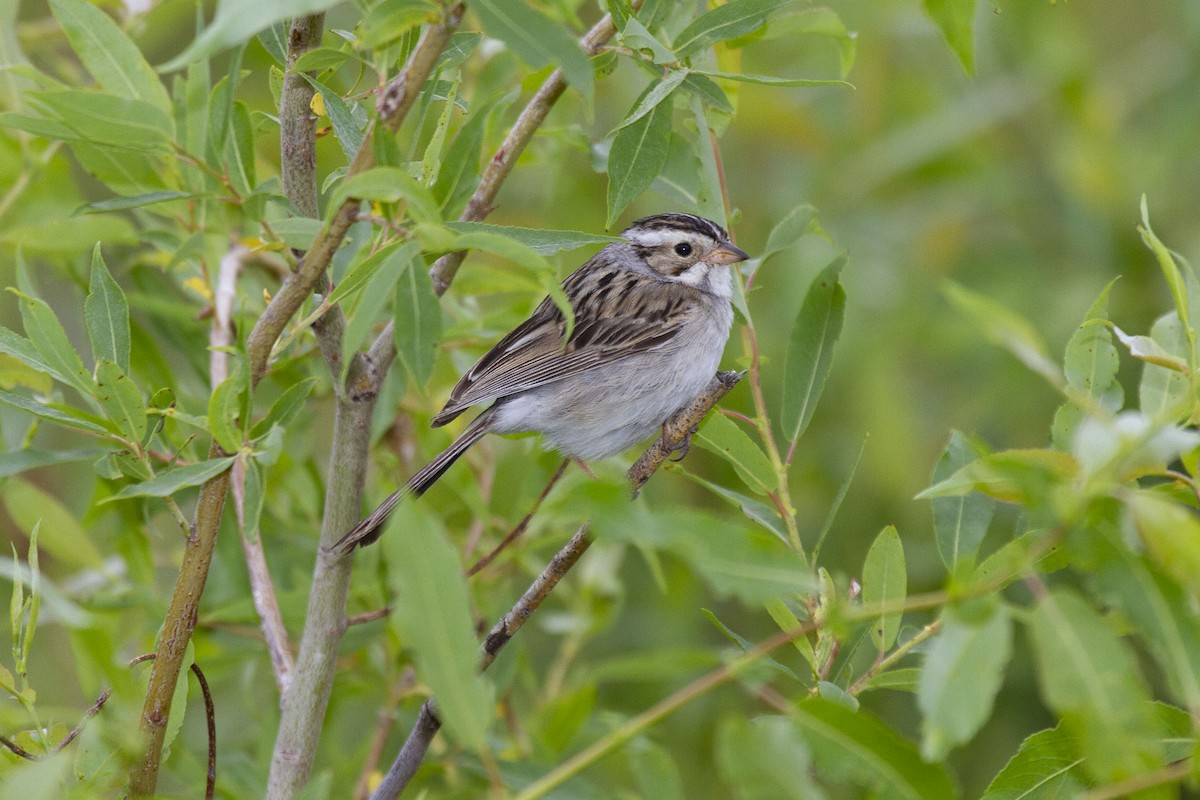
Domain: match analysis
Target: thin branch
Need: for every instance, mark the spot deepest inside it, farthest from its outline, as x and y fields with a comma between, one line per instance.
x=884, y=664
x=1172, y=773
x=678, y=429
x=531, y=118
x=412, y=754
x=66, y=740
x=210, y=716
x=368, y=616
x=523, y=524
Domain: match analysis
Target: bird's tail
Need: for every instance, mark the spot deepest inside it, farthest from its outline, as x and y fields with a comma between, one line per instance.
x=371, y=526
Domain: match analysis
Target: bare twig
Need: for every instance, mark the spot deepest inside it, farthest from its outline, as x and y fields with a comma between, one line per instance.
x=368, y=616
x=412, y=754
x=678, y=429
x=17, y=750
x=523, y=524
x=210, y=717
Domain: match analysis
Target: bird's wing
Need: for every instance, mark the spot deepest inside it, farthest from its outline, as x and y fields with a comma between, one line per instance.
x=608, y=327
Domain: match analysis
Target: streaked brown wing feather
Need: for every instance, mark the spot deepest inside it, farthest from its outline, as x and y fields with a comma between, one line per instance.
x=533, y=353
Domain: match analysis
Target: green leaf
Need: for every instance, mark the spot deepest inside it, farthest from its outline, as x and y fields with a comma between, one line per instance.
x=536, y=39
x=20, y=348
x=765, y=758
x=810, y=348
x=235, y=21
x=959, y=523
x=900, y=680
x=388, y=185
x=59, y=532
x=727, y=21
x=1088, y=676
x=1015, y=476
x=759, y=512
x=559, y=719
x=239, y=149
x=708, y=91
x=173, y=480
x=108, y=54
x=50, y=340
x=136, y=201
x=637, y=156
x=1046, y=767
x=15, y=462
x=297, y=233
x=62, y=414
x=542, y=242
x=225, y=411
x=1171, y=534
x=885, y=581
x=657, y=93
x=108, y=119
x=433, y=618
x=856, y=747
x=285, y=408
x=636, y=36
x=752, y=565
x=1005, y=328
x=1163, y=392
x=121, y=400
x=1090, y=367
x=346, y=128
x=657, y=775
x=770, y=80
x=954, y=17
x=1174, y=277
x=380, y=288
x=963, y=670
x=418, y=323
x=796, y=223
x=459, y=172
x=386, y=22
x=106, y=313
x=363, y=270
x=722, y=436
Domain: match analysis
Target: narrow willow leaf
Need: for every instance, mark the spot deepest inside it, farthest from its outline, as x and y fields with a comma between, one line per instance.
x=797, y=222
x=727, y=21
x=108, y=54
x=954, y=18
x=722, y=436
x=297, y=233
x=20, y=348
x=751, y=565
x=1015, y=476
x=433, y=618
x=1090, y=367
x=1005, y=328
x=770, y=80
x=121, y=399
x=1163, y=392
x=708, y=91
x=49, y=338
x=959, y=523
x=786, y=619
x=1174, y=277
x=385, y=23
x=1171, y=534
x=1046, y=767
x=173, y=480
x=542, y=242
x=418, y=322
x=239, y=150
x=14, y=462
x=379, y=289
x=885, y=581
x=459, y=172
x=746, y=645
x=100, y=118
x=362, y=270
x=1088, y=676
x=755, y=510
x=235, y=21
x=857, y=748
x=61, y=414
x=765, y=758
x=61, y=535
x=285, y=408
x=388, y=185
x=106, y=313
x=636, y=36
x=963, y=670
x=536, y=39
x=225, y=412
x=810, y=348
x=900, y=680
x=638, y=154
x=346, y=128
x=658, y=92
x=136, y=201
x=657, y=774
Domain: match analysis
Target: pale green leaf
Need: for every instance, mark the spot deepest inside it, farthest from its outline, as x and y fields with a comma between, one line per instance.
x=765, y=758
x=15, y=462
x=536, y=39
x=1163, y=392
x=225, y=412
x=64, y=415
x=379, y=289
x=1171, y=534
x=542, y=242
x=770, y=80
x=285, y=408
x=418, y=323
x=388, y=185
x=347, y=129
x=727, y=21
x=173, y=480
x=885, y=582
x=20, y=348
x=722, y=436
x=362, y=270
x=1005, y=328
x=964, y=667
x=433, y=618
x=954, y=18
x=810, y=348
x=658, y=92
x=106, y=313
x=1046, y=767
x=108, y=54
x=636, y=157
x=50, y=340
x=60, y=534
x=135, y=201
x=100, y=118
x=121, y=400
x=959, y=523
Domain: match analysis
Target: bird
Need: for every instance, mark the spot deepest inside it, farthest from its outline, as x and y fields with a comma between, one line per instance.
x=652, y=314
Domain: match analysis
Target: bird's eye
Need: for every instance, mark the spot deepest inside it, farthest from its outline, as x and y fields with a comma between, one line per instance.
x=683, y=249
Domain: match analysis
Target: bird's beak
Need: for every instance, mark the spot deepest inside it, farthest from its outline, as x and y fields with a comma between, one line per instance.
x=727, y=253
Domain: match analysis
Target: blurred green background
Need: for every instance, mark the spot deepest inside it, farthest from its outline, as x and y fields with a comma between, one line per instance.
x=1021, y=182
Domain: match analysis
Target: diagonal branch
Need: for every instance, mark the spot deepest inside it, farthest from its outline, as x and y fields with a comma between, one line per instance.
x=412, y=754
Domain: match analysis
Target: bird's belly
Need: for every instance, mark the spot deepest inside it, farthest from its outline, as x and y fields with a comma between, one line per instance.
x=609, y=409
